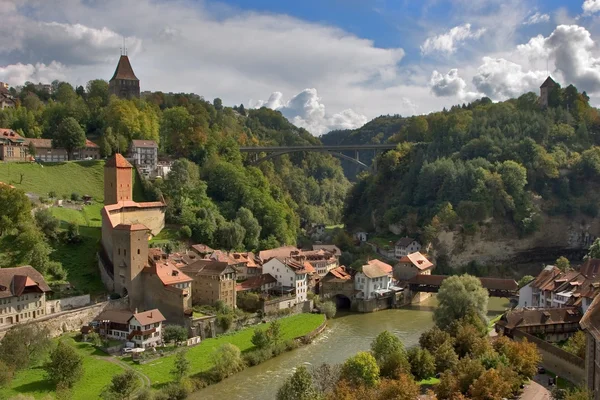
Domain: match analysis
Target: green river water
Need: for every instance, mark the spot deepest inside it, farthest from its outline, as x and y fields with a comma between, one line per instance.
x=346, y=335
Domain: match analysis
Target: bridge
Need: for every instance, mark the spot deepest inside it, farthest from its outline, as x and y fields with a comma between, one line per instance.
x=496, y=287
x=334, y=150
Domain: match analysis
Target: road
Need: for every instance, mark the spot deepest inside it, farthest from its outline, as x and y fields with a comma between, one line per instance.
x=536, y=389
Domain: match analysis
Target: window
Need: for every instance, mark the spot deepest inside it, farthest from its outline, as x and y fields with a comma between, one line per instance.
x=138, y=251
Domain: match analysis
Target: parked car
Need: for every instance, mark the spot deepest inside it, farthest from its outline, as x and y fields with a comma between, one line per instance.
x=88, y=158
x=541, y=370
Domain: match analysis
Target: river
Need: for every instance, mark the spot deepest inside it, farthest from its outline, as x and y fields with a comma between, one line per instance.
x=346, y=335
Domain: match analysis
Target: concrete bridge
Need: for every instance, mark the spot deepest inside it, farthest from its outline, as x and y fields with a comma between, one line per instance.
x=334, y=150
x=496, y=287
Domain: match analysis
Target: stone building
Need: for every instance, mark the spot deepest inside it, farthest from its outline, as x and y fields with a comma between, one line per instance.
x=144, y=154
x=146, y=278
x=375, y=280
x=411, y=265
x=13, y=147
x=338, y=285
x=591, y=324
x=22, y=295
x=545, y=91
x=124, y=83
x=213, y=281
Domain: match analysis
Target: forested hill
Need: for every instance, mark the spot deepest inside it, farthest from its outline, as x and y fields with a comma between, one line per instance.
x=513, y=161
x=211, y=194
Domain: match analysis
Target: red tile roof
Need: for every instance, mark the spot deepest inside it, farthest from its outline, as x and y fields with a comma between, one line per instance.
x=279, y=252
x=376, y=269
x=14, y=281
x=545, y=279
x=168, y=273
x=10, y=135
x=418, y=260
x=117, y=161
x=144, y=143
x=124, y=70
x=332, y=248
x=149, y=317
x=590, y=268
x=525, y=317
x=591, y=319
x=256, y=282
x=47, y=143
x=340, y=273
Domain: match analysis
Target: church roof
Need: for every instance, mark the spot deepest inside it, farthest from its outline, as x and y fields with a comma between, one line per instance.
x=549, y=82
x=117, y=161
x=124, y=70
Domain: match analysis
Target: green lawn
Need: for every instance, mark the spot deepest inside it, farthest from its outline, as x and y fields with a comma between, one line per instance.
x=84, y=177
x=493, y=322
x=384, y=240
x=168, y=234
x=97, y=374
x=200, y=356
x=430, y=381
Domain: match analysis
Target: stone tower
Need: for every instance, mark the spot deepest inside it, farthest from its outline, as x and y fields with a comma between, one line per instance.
x=118, y=180
x=545, y=90
x=124, y=83
x=130, y=256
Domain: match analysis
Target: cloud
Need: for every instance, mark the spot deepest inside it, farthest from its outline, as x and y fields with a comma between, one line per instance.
x=307, y=111
x=590, y=7
x=501, y=79
x=17, y=74
x=450, y=84
x=448, y=42
x=536, y=18
x=535, y=49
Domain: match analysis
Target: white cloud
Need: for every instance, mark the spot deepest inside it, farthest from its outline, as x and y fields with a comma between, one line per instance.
x=450, y=84
x=590, y=7
x=535, y=49
x=307, y=111
x=449, y=41
x=17, y=74
x=536, y=18
x=501, y=79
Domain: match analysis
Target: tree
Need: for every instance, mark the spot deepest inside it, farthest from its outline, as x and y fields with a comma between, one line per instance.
x=325, y=377
x=174, y=333
x=457, y=297
x=299, y=386
x=23, y=345
x=523, y=357
x=563, y=264
x=181, y=367
x=467, y=371
x=385, y=344
x=576, y=344
x=65, y=366
x=260, y=339
x=69, y=135
x=31, y=149
x=490, y=386
x=403, y=387
x=15, y=210
x=6, y=374
x=121, y=386
x=231, y=235
x=445, y=357
x=422, y=363
x=218, y=104
x=246, y=219
x=433, y=338
x=227, y=360
x=594, y=250
x=47, y=223
x=361, y=369
x=328, y=308
x=467, y=337
x=525, y=280
x=94, y=339
x=274, y=331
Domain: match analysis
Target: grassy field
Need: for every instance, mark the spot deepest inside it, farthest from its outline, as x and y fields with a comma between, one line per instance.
x=84, y=177
x=200, y=356
x=97, y=374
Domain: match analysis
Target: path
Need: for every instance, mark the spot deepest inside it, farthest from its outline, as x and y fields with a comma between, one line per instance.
x=143, y=378
x=536, y=389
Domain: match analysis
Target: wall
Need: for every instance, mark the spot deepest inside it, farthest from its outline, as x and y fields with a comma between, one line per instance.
x=562, y=363
x=372, y=305
x=152, y=217
x=108, y=281
x=73, y=320
x=526, y=296
x=170, y=301
x=56, y=306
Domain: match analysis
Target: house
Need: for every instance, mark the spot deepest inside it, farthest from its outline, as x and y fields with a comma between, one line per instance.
x=590, y=268
x=144, y=154
x=541, y=288
x=375, y=280
x=330, y=248
x=291, y=276
x=202, y=250
x=278, y=252
x=261, y=284
x=6, y=100
x=213, y=281
x=245, y=265
x=405, y=246
x=553, y=324
x=323, y=261
x=144, y=329
x=361, y=236
x=12, y=146
x=22, y=295
x=45, y=152
x=411, y=265
x=590, y=323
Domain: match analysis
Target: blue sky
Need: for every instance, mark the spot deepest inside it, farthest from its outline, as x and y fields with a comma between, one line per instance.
x=325, y=64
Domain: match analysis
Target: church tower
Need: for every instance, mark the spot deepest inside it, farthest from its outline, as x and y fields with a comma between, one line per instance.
x=545, y=90
x=124, y=83
x=118, y=180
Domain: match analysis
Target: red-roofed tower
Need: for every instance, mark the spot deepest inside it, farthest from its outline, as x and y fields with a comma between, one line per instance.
x=118, y=180
x=124, y=83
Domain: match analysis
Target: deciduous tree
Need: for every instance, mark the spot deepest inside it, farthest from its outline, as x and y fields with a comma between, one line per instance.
x=121, y=386
x=361, y=369
x=65, y=366
x=181, y=366
x=299, y=386
x=69, y=136
x=457, y=297
x=422, y=363
x=227, y=360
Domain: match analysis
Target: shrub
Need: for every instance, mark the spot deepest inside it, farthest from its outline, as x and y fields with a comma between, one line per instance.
x=260, y=338
x=52, y=194
x=94, y=339
x=227, y=360
x=6, y=374
x=75, y=196
x=328, y=308
x=249, y=302
x=422, y=363
x=224, y=320
x=174, y=333
x=185, y=232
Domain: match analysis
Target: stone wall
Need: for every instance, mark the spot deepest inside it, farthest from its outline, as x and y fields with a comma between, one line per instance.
x=56, y=306
x=73, y=320
x=372, y=305
x=555, y=359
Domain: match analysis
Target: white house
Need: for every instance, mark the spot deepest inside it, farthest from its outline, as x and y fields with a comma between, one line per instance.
x=142, y=328
x=361, y=236
x=289, y=274
x=406, y=246
x=374, y=280
x=144, y=154
x=526, y=295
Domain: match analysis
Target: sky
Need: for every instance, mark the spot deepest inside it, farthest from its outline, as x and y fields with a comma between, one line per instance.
x=325, y=64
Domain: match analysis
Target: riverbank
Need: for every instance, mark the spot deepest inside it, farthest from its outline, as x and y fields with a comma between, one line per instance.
x=99, y=368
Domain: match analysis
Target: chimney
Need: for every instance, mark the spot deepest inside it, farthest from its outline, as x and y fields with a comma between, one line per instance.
x=150, y=314
x=136, y=311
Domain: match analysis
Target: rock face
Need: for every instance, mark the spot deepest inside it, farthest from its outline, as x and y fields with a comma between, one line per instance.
x=499, y=242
